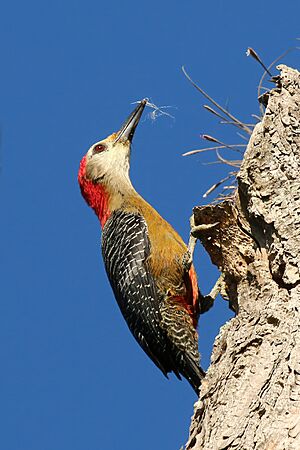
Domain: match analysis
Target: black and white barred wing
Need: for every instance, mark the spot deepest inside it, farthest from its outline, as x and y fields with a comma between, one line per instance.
x=125, y=248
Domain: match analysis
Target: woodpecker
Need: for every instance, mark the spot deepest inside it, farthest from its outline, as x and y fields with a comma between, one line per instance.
x=147, y=262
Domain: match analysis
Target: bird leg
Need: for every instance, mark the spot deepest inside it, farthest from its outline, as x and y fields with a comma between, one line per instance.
x=207, y=301
x=195, y=229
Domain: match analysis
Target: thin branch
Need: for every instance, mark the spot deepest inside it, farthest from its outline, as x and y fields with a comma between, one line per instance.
x=216, y=185
x=207, y=137
x=237, y=122
x=216, y=113
x=202, y=150
x=251, y=52
x=227, y=161
x=265, y=73
x=229, y=122
x=255, y=116
x=243, y=137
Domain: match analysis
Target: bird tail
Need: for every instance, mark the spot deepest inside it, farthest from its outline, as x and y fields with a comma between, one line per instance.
x=193, y=373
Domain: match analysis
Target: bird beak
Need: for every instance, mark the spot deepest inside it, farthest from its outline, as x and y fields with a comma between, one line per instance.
x=127, y=130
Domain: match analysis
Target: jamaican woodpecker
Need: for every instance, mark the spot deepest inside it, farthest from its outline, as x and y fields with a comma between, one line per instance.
x=144, y=257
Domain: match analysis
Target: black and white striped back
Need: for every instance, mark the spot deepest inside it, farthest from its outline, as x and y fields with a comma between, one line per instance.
x=125, y=248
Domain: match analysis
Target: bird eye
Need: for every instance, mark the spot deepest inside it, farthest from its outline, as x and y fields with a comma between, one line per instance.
x=98, y=148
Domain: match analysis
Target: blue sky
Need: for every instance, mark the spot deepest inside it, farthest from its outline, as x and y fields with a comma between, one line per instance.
x=72, y=377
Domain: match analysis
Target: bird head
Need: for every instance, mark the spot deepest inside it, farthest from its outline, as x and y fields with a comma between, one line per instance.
x=105, y=167
x=109, y=158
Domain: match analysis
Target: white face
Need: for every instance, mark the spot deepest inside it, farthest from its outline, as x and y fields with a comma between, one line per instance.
x=108, y=161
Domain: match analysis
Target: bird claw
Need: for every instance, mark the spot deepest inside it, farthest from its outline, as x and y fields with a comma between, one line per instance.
x=207, y=301
x=195, y=229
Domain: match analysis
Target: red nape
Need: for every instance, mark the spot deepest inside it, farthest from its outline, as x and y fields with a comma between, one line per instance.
x=94, y=193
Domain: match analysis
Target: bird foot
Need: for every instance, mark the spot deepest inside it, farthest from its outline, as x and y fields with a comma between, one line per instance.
x=207, y=301
x=195, y=229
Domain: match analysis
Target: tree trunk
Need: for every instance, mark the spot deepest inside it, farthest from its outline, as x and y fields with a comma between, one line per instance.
x=250, y=398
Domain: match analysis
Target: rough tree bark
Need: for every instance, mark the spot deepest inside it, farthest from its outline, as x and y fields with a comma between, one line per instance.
x=250, y=398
